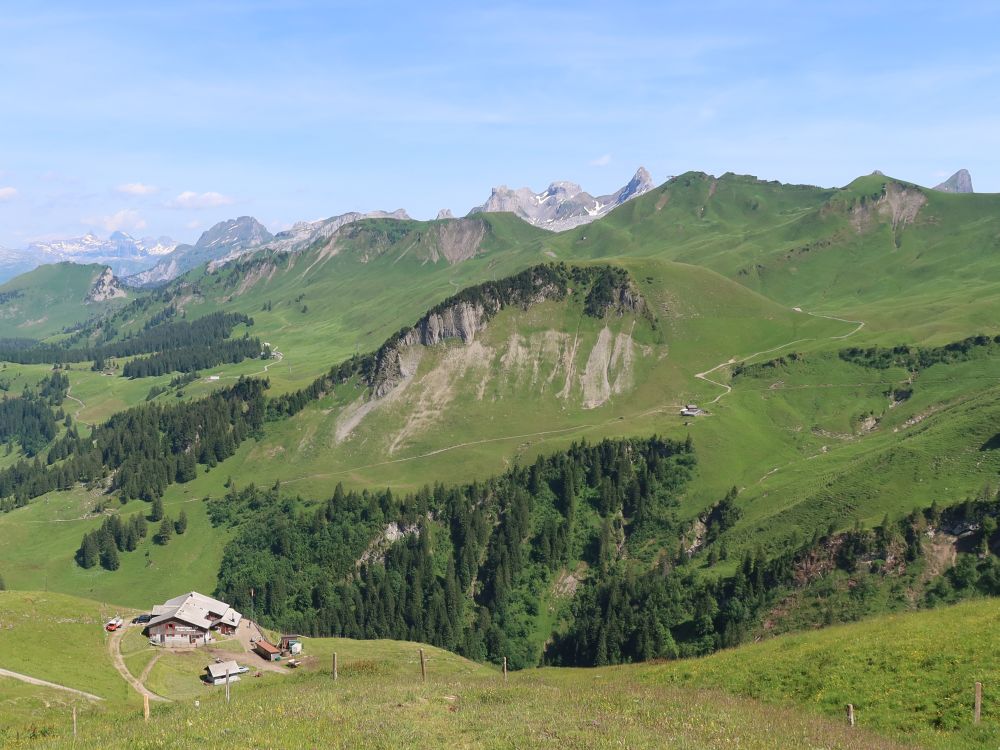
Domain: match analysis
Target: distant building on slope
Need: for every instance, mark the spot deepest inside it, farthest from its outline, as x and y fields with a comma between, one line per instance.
x=217, y=674
x=188, y=619
x=691, y=410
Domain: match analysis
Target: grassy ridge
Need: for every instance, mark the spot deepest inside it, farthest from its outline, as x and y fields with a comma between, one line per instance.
x=908, y=675
x=42, y=302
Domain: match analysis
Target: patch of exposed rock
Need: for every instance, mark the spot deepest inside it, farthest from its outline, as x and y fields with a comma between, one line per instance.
x=106, y=287
x=457, y=240
x=465, y=315
x=899, y=204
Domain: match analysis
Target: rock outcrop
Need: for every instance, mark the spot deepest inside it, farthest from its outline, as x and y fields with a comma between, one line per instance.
x=960, y=182
x=106, y=287
x=467, y=313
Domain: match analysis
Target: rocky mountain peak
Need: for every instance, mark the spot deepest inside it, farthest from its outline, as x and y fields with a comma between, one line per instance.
x=562, y=205
x=960, y=182
x=444, y=213
x=244, y=231
x=105, y=287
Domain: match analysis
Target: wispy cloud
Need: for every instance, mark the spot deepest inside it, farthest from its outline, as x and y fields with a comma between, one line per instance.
x=125, y=219
x=8, y=193
x=601, y=161
x=190, y=199
x=136, y=188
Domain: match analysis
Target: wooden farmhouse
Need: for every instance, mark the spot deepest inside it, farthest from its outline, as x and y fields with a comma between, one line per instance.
x=188, y=619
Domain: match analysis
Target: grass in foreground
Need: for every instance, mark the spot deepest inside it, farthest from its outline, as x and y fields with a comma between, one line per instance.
x=910, y=675
x=372, y=708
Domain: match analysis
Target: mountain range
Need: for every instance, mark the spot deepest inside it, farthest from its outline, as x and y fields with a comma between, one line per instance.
x=151, y=261
x=562, y=205
x=122, y=252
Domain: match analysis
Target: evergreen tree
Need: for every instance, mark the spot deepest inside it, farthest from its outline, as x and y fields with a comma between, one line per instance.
x=89, y=553
x=156, y=513
x=109, y=554
x=180, y=525
x=166, y=531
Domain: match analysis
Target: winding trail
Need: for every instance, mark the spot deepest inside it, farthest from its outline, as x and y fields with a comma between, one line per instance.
x=46, y=683
x=76, y=416
x=734, y=360
x=115, y=651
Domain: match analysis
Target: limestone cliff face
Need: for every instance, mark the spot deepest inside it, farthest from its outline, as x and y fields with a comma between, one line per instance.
x=463, y=317
x=105, y=287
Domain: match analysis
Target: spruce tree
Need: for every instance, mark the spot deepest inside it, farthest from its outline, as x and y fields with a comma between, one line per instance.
x=89, y=552
x=109, y=554
x=165, y=532
x=181, y=524
x=156, y=514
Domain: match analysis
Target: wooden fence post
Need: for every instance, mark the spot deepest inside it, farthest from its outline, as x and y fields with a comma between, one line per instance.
x=423, y=667
x=978, y=713
x=227, y=684
x=145, y=707
x=334, y=666
x=505, y=670
x=74, y=724
x=850, y=714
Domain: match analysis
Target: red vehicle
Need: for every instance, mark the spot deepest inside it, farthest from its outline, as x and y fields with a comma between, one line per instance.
x=114, y=624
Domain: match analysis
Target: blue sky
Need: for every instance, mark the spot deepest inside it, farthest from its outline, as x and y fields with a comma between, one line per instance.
x=165, y=119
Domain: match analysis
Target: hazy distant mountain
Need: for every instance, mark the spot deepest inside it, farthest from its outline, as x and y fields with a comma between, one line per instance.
x=122, y=252
x=960, y=182
x=224, y=238
x=563, y=205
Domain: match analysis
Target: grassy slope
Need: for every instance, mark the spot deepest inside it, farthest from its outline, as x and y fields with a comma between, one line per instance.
x=800, y=246
x=52, y=298
x=437, y=412
x=60, y=639
x=909, y=676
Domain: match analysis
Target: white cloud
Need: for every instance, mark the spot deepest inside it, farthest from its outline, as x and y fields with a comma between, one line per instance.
x=601, y=161
x=125, y=219
x=136, y=188
x=190, y=199
x=8, y=193
x=196, y=224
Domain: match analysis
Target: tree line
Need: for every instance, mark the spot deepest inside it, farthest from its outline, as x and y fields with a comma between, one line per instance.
x=144, y=449
x=116, y=535
x=460, y=567
x=169, y=335
x=914, y=358
x=29, y=419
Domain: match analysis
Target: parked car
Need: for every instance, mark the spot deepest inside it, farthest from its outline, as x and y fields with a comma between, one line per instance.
x=113, y=624
x=141, y=619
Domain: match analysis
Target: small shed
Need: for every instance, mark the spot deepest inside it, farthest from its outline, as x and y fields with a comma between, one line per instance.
x=267, y=651
x=215, y=674
x=291, y=643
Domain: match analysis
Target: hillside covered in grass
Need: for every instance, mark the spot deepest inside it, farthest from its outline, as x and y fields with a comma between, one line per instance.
x=910, y=678
x=441, y=431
